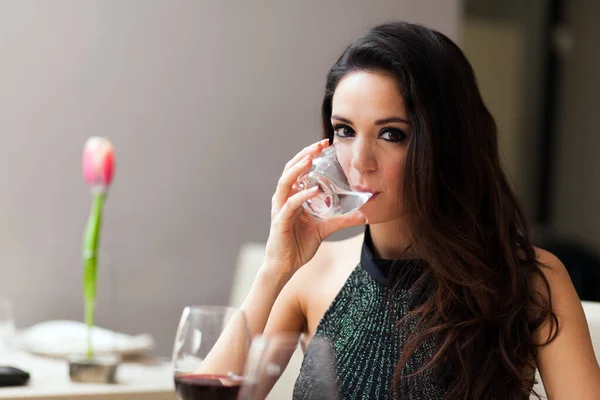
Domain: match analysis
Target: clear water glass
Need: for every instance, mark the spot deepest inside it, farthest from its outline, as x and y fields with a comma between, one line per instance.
x=336, y=196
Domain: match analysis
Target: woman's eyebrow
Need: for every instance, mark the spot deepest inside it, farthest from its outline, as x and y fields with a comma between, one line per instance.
x=346, y=120
x=391, y=119
x=378, y=122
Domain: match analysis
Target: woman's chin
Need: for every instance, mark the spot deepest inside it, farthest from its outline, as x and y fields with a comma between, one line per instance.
x=371, y=215
x=374, y=215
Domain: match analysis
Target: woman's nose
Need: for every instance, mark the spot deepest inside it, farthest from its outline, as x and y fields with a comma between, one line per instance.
x=363, y=157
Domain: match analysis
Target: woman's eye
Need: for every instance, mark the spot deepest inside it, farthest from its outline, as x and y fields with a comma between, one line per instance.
x=343, y=131
x=392, y=135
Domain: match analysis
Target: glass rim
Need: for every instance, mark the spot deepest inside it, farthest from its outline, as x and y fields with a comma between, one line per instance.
x=206, y=309
x=328, y=151
x=291, y=339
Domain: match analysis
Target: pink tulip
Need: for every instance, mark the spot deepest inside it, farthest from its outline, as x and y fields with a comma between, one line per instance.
x=98, y=162
x=98, y=170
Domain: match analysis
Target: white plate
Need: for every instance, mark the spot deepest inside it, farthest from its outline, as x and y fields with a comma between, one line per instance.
x=63, y=338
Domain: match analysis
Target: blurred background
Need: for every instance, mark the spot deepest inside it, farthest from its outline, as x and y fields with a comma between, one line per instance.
x=205, y=101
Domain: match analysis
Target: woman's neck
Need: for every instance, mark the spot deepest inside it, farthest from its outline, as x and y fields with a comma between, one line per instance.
x=390, y=240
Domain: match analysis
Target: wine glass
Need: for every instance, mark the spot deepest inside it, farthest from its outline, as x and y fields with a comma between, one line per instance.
x=268, y=358
x=336, y=196
x=210, y=352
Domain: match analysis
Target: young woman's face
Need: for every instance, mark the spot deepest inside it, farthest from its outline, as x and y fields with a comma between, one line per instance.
x=371, y=129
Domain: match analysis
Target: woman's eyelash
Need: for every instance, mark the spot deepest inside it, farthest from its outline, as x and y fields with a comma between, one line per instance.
x=338, y=127
x=394, y=135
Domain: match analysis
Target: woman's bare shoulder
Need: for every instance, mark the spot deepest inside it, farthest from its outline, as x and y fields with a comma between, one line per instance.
x=330, y=258
x=571, y=342
x=552, y=268
x=319, y=282
x=334, y=253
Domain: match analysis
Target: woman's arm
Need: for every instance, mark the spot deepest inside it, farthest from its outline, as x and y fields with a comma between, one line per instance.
x=265, y=290
x=231, y=349
x=285, y=324
x=294, y=239
x=567, y=365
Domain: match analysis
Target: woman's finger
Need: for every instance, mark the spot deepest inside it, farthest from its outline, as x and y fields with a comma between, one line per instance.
x=344, y=221
x=311, y=150
x=287, y=180
x=288, y=212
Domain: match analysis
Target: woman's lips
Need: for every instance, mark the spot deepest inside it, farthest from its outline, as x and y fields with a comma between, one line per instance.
x=363, y=189
x=373, y=197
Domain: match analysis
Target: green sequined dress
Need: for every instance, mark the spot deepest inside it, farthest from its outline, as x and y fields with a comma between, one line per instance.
x=366, y=348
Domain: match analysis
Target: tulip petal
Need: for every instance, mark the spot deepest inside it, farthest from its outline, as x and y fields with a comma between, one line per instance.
x=98, y=163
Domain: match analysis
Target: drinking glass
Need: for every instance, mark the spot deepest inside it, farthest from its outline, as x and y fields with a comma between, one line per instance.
x=268, y=357
x=336, y=196
x=210, y=352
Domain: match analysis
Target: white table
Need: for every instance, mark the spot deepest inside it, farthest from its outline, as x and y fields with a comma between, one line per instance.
x=49, y=379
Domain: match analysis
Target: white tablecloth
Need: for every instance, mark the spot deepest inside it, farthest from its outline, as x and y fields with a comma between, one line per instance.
x=147, y=380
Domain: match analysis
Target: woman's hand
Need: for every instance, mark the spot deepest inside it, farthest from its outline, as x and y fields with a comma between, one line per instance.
x=295, y=235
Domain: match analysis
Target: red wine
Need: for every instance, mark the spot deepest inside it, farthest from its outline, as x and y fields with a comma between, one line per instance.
x=207, y=387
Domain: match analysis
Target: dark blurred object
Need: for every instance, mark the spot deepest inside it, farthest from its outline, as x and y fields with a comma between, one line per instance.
x=582, y=263
x=11, y=376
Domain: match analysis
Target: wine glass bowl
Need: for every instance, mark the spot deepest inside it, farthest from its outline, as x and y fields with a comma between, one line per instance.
x=210, y=352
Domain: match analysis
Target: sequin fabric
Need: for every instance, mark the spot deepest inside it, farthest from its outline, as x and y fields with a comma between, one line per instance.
x=366, y=348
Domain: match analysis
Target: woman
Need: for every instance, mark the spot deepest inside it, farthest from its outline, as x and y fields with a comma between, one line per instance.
x=444, y=296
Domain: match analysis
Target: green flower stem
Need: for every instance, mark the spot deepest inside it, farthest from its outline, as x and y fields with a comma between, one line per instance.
x=90, y=264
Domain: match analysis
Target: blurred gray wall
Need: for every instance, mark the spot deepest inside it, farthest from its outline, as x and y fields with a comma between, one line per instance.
x=205, y=101
x=577, y=163
x=505, y=44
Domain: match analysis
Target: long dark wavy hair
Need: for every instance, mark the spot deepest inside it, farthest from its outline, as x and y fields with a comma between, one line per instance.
x=466, y=225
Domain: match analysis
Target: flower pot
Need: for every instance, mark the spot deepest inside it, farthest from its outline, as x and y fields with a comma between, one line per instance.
x=100, y=365
x=98, y=369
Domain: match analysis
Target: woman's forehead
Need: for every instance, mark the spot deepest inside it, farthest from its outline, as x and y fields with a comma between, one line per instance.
x=369, y=95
